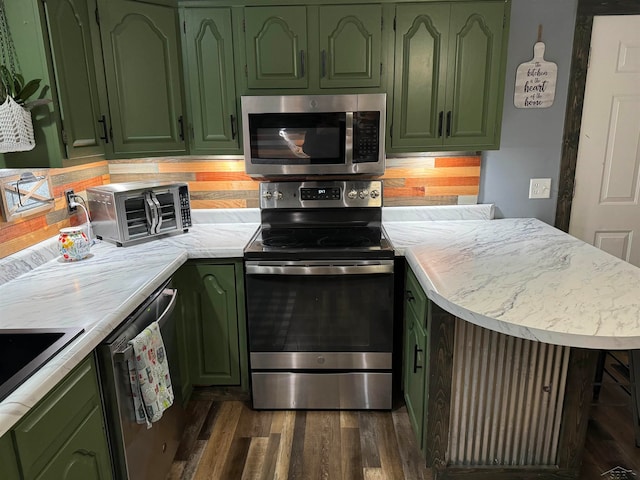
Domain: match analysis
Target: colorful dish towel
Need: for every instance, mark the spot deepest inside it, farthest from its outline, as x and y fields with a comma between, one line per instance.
x=149, y=376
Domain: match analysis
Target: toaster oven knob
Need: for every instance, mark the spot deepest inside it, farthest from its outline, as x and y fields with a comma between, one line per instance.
x=352, y=194
x=278, y=195
x=267, y=195
x=374, y=194
x=364, y=193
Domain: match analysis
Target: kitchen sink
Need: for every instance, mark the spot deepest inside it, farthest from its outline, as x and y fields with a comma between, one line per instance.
x=24, y=351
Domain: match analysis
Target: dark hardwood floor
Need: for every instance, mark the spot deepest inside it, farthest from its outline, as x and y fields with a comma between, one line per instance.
x=227, y=440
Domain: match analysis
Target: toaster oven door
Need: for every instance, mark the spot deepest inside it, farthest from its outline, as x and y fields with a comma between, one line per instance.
x=150, y=213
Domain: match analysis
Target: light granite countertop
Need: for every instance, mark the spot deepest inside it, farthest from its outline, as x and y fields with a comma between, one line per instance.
x=527, y=279
x=516, y=276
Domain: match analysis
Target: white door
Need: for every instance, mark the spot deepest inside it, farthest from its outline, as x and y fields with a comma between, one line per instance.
x=606, y=205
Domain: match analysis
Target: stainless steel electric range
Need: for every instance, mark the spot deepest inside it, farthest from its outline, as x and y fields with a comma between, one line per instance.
x=319, y=289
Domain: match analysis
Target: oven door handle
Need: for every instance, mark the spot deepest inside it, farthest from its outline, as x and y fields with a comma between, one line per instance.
x=344, y=269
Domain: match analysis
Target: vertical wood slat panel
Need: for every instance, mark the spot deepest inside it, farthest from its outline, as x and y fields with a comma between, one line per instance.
x=506, y=400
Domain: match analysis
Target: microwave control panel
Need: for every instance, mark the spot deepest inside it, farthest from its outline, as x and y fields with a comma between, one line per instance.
x=366, y=130
x=185, y=207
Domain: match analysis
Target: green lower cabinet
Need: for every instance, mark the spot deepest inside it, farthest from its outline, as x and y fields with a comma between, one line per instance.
x=212, y=326
x=8, y=463
x=64, y=437
x=415, y=355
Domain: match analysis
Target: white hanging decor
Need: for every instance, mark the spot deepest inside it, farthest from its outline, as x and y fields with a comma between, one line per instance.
x=16, y=128
x=536, y=80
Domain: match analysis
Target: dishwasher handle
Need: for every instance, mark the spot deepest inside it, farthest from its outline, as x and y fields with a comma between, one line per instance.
x=126, y=353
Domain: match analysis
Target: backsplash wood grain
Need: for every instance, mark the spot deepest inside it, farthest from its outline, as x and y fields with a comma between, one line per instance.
x=222, y=183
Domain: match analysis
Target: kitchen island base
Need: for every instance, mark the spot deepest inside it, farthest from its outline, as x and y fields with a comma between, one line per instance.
x=502, y=407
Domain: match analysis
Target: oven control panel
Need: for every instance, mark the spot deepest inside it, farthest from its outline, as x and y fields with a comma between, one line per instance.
x=328, y=194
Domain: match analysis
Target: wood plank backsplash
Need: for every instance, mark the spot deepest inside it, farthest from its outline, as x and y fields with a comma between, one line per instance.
x=216, y=183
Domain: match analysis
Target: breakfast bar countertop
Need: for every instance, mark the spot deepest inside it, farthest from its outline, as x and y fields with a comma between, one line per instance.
x=527, y=279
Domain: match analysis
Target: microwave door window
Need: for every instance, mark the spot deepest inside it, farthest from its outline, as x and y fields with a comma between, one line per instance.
x=298, y=138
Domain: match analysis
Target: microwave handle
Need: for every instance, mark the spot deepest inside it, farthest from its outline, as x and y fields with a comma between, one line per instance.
x=158, y=212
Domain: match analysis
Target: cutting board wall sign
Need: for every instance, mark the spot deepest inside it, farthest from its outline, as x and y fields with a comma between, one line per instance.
x=535, y=81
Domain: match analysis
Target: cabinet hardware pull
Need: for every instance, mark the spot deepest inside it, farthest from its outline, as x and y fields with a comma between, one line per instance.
x=324, y=63
x=301, y=63
x=449, y=123
x=440, y=118
x=181, y=122
x=416, y=350
x=233, y=127
x=103, y=121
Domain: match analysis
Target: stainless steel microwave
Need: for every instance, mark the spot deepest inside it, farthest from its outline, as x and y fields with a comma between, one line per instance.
x=314, y=134
x=124, y=213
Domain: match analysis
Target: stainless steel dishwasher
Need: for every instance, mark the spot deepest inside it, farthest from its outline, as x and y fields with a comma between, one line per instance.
x=139, y=453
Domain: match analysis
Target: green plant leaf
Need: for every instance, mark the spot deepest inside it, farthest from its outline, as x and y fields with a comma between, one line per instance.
x=18, y=81
x=6, y=80
x=28, y=90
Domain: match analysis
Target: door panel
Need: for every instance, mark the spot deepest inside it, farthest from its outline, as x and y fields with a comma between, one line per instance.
x=276, y=42
x=605, y=209
x=143, y=77
x=420, y=76
x=350, y=46
x=211, y=81
x=475, y=44
x=79, y=77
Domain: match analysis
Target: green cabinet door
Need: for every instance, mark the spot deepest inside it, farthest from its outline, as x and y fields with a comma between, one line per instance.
x=8, y=462
x=476, y=77
x=64, y=436
x=276, y=47
x=350, y=45
x=209, y=313
x=420, y=75
x=143, y=75
x=209, y=70
x=75, y=44
x=415, y=360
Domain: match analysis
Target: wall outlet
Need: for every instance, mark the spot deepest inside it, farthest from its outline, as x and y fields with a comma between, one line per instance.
x=68, y=194
x=540, y=188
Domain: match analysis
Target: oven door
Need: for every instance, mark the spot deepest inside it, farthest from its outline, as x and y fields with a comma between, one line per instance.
x=320, y=314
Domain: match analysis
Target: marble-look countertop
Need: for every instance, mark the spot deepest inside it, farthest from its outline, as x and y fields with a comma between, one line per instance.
x=96, y=293
x=527, y=279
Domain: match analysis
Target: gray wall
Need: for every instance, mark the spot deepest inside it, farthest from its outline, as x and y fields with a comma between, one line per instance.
x=531, y=141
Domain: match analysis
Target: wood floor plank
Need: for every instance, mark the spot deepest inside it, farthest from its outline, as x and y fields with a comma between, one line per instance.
x=219, y=443
x=413, y=465
x=255, y=458
x=197, y=412
x=209, y=421
x=297, y=446
x=322, y=446
x=368, y=443
x=270, y=457
x=287, y=430
x=351, y=454
x=374, y=474
x=255, y=423
x=349, y=419
x=236, y=459
x=390, y=458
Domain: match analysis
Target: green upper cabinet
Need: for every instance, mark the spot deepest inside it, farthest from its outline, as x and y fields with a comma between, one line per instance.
x=313, y=47
x=449, y=76
x=276, y=47
x=144, y=83
x=210, y=85
x=350, y=45
x=79, y=76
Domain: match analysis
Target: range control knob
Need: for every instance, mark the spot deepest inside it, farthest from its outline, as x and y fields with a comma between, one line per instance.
x=267, y=195
x=374, y=194
x=352, y=194
x=278, y=195
x=364, y=193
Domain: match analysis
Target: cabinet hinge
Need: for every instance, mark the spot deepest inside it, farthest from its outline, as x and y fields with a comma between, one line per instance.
x=394, y=24
x=97, y=16
x=64, y=137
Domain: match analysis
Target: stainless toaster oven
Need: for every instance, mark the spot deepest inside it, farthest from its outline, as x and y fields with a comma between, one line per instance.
x=131, y=212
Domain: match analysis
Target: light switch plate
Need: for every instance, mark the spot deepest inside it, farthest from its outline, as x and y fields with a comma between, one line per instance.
x=540, y=188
